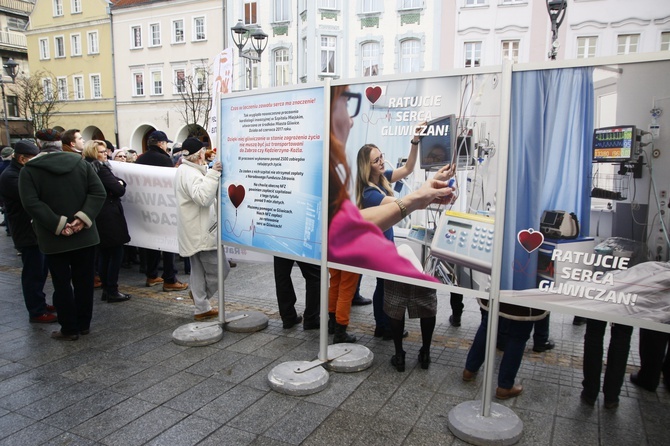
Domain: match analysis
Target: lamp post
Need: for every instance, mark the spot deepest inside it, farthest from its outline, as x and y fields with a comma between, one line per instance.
x=556, y=10
x=11, y=67
x=259, y=40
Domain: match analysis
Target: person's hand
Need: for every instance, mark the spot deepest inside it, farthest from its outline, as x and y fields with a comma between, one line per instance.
x=445, y=172
x=419, y=129
x=67, y=230
x=433, y=191
x=217, y=166
x=76, y=225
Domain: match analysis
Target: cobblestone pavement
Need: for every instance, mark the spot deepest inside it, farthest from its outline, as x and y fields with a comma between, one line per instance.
x=128, y=383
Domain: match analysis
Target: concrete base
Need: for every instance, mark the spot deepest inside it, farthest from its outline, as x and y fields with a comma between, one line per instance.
x=245, y=321
x=349, y=358
x=503, y=427
x=197, y=334
x=298, y=378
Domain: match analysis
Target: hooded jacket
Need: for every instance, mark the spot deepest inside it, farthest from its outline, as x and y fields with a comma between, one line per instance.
x=56, y=188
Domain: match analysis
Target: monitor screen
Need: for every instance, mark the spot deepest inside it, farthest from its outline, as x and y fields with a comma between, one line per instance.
x=437, y=142
x=614, y=144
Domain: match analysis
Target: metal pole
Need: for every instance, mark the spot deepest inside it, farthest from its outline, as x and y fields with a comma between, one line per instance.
x=4, y=103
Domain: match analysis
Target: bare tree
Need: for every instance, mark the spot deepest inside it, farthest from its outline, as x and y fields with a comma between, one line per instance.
x=38, y=99
x=196, y=99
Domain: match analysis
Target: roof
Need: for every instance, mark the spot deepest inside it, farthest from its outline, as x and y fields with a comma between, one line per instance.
x=128, y=3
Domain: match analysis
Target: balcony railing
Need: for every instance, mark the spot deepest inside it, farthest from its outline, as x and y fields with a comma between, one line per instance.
x=15, y=40
x=18, y=5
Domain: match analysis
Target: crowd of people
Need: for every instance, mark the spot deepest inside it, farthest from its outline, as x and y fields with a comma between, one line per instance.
x=63, y=209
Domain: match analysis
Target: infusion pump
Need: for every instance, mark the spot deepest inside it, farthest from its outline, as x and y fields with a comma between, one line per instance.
x=464, y=239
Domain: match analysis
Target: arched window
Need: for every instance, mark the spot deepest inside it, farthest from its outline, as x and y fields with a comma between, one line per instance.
x=281, y=67
x=410, y=53
x=370, y=59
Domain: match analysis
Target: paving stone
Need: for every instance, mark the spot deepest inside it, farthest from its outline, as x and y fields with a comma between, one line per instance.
x=198, y=395
x=36, y=433
x=170, y=387
x=298, y=423
x=13, y=422
x=100, y=426
x=230, y=404
x=265, y=412
x=228, y=435
x=144, y=428
x=188, y=431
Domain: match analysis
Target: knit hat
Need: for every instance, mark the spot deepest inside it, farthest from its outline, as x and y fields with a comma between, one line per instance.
x=192, y=145
x=48, y=135
x=7, y=153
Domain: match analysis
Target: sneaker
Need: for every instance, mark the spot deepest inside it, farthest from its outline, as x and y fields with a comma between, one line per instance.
x=155, y=281
x=60, y=336
x=177, y=286
x=214, y=312
x=50, y=308
x=46, y=318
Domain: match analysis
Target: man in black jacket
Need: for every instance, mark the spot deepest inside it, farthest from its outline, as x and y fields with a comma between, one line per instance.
x=34, y=273
x=157, y=155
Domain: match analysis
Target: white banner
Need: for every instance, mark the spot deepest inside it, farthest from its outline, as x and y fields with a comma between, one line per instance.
x=222, y=83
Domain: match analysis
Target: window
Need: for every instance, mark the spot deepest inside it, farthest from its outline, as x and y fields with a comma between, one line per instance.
x=370, y=59
x=409, y=56
x=370, y=6
x=78, y=83
x=156, y=82
x=281, y=10
x=155, y=34
x=513, y=2
x=75, y=44
x=473, y=54
x=44, y=49
x=510, y=50
x=281, y=68
x=250, y=11
x=58, y=8
x=304, y=56
x=199, y=29
x=255, y=77
x=586, y=47
x=200, y=75
x=59, y=46
x=136, y=37
x=627, y=43
x=328, y=48
x=475, y=2
x=47, y=89
x=178, y=31
x=411, y=4
x=62, y=88
x=93, y=47
x=13, y=106
x=179, y=81
x=138, y=84
x=17, y=23
x=96, y=88
x=328, y=4
x=665, y=41
x=76, y=6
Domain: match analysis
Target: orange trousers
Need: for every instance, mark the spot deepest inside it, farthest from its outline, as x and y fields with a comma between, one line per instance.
x=340, y=294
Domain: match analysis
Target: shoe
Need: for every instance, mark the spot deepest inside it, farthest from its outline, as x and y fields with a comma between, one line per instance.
x=398, y=361
x=214, y=312
x=232, y=264
x=314, y=325
x=341, y=335
x=469, y=376
x=360, y=300
x=505, y=394
x=50, y=309
x=578, y=320
x=117, y=297
x=611, y=404
x=424, y=358
x=541, y=348
x=292, y=323
x=46, y=318
x=587, y=399
x=155, y=281
x=635, y=379
x=177, y=286
x=84, y=332
x=58, y=335
x=455, y=321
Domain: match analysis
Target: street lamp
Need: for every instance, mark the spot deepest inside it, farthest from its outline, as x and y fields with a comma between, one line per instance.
x=259, y=40
x=556, y=10
x=11, y=67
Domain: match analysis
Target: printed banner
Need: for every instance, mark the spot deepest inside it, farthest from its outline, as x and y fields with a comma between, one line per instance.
x=272, y=171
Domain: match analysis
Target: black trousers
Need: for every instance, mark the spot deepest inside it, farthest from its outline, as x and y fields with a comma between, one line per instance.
x=153, y=260
x=286, y=297
x=653, y=358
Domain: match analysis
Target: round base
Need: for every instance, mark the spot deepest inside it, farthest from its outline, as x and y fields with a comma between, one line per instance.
x=284, y=378
x=251, y=321
x=198, y=334
x=503, y=427
x=349, y=358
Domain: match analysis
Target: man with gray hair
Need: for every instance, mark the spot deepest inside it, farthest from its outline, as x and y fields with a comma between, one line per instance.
x=196, y=189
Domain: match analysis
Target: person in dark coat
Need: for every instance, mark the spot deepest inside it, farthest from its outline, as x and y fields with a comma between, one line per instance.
x=111, y=222
x=35, y=271
x=157, y=155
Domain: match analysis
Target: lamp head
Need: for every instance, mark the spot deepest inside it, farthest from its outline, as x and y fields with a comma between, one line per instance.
x=259, y=40
x=11, y=67
x=240, y=34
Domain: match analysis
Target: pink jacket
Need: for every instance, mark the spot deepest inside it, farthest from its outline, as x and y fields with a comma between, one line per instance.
x=357, y=242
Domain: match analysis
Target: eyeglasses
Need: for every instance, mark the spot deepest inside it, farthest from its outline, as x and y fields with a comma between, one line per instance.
x=102, y=151
x=120, y=156
x=379, y=159
x=353, y=107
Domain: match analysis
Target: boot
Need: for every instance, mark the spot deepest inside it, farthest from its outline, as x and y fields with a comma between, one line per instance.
x=341, y=334
x=398, y=361
x=331, y=323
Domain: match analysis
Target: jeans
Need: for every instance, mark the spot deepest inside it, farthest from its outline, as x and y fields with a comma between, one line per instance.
x=517, y=335
x=286, y=297
x=73, y=269
x=110, y=265
x=617, y=356
x=541, y=331
x=381, y=319
x=154, y=258
x=33, y=277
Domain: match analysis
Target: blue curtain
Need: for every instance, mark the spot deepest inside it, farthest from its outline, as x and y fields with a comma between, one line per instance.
x=550, y=155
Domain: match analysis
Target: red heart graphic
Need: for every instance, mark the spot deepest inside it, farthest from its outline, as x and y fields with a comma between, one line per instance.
x=530, y=239
x=373, y=93
x=236, y=194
